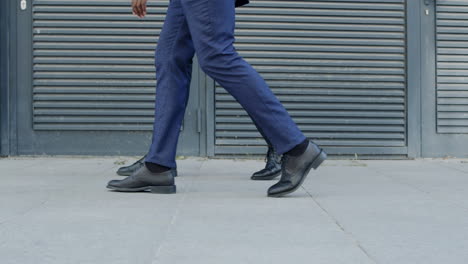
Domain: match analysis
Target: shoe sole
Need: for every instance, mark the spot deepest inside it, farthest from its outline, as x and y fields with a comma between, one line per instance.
x=266, y=178
x=314, y=164
x=129, y=174
x=152, y=189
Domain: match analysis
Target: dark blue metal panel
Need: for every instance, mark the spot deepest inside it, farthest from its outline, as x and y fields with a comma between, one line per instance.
x=4, y=70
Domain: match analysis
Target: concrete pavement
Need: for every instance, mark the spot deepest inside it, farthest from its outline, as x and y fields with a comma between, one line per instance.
x=57, y=210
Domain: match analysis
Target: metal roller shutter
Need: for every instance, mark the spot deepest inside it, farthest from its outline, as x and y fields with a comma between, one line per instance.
x=337, y=66
x=93, y=65
x=452, y=66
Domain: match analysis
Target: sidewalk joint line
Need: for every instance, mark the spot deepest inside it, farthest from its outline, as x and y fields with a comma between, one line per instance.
x=173, y=219
x=448, y=167
x=341, y=227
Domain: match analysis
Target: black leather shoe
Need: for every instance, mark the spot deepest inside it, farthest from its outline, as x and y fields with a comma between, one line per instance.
x=272, y=168
x=294, y=170
x=144, y=180
x=128, y=170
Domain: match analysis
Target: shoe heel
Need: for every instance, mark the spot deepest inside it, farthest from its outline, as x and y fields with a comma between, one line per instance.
x=319, y=159
x=163, y=189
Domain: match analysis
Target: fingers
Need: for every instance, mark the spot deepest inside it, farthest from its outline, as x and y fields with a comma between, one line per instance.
x=139, y=8
x=134, y=3
x=144, y=7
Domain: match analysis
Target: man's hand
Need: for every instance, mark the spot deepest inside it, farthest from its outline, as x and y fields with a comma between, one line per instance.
x=139, y=7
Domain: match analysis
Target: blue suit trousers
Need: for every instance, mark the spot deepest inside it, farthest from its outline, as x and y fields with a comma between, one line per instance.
x=206, y=27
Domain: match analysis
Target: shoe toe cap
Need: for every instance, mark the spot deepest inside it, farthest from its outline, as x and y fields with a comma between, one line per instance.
x=259, y=173
x=279, y=188
x=113, y=183
x=123, y=171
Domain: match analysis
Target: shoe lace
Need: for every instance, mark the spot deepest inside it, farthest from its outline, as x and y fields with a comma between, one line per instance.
x=272, y=157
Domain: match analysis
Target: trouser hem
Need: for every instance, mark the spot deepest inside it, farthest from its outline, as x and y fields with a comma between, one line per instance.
x=291, y=145
x=161, y=162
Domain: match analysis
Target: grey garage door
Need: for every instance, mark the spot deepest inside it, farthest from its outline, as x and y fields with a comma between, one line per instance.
x=445, y=86
x=93, y=78
x=338, y=67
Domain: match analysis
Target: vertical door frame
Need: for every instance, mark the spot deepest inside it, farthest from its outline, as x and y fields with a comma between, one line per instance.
x=4, y=60
x=210, y=115
x=24, y=70
x=190, y=138
x=428, y=74
x=414, y=10
x=206, y=106
x=8, y=77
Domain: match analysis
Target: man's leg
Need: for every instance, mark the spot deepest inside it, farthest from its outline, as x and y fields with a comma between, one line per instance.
x=173, y=60
x=174, y=54
x=261, y=132
x=211, y=23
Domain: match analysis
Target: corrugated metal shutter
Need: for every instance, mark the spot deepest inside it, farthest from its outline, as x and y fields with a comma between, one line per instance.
x=337, y=66
x=93, y=65
x=452, y=66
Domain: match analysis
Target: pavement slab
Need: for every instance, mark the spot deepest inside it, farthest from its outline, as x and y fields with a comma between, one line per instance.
x=57, y=210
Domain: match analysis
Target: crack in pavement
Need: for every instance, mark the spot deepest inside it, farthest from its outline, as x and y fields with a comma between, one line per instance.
x=27, y=211
x=174, y=216
x=341, y=227
x=449, y=167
